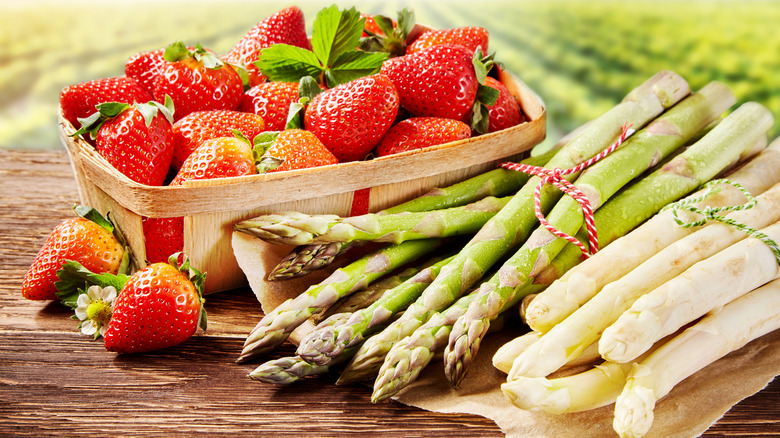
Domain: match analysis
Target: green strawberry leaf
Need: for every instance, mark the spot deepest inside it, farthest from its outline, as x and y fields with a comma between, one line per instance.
x=286, y=63
x=262, y=142
x=480, y=118
x=75, y=279
x=176, y=51
x=335, y=32
x=487, y=94
x=393, y=41
x=308, y=88
x=95, y=216
x=105, y=111
x=268, y=163
x=354, y=64
x=335, y=36
x=295, y=115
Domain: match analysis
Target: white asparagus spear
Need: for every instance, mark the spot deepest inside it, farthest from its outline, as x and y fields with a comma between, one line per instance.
x=506, y=354
x=722, y=331
x=581, y=283
x=705, y=286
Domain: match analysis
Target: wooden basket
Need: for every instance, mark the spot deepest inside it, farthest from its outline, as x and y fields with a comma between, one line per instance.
x=211, y=207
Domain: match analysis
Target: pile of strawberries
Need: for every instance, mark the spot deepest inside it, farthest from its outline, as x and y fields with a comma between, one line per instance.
x=278, y=100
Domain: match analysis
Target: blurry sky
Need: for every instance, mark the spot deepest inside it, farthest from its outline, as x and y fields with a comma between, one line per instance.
x=581, y=57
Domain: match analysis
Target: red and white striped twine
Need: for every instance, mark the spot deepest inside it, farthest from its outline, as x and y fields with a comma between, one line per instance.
x=556, y=178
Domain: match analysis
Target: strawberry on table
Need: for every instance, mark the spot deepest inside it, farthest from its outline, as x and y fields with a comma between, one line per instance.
x=195, y=128
x=471, y=37
x=284, y=27
x=89, y=239
x=351, y=118
x=506, y=111
x=160, y=306
x=136, y=139
x=79, y=100
x=271, y=101
x=290, y=149
x=420, y=132
x=436, y=82
x=197, y=80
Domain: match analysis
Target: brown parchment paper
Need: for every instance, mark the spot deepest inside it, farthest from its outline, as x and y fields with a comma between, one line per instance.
x=690, y=409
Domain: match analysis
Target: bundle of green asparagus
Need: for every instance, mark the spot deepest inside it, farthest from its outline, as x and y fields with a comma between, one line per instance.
x=449, y=304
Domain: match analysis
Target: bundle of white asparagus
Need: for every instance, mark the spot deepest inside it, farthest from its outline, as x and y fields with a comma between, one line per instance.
x=655, y=306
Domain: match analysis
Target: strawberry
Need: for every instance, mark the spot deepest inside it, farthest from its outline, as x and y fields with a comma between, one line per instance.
x=351, y=118
x=160, y=306
x=506, y=111
x=197, y=127
x=197, y=81
x=421, y=132
x=436, y=82
x=79, y=100
x=284, y=27
x=89, y=239
x=290, y=149
x=163, y=236
x=383, y=34
x=145, y=67
x=136, y=139
x=372, y=27
x=470, y=37
x=220, y=157
x=271, y=101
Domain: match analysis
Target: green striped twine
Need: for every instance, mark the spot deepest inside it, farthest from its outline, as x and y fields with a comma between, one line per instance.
x=714, y=213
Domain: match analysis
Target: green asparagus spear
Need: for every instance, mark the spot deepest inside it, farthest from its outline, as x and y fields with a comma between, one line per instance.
x=322, y=346
x=497, y=182
x=599, y=182
x=407, y=358
x=512, y=224
x=276, y=326
x=286, y=370
x=698, y=164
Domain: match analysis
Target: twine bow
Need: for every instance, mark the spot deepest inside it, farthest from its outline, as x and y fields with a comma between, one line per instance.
x=556, y=177
x=709, y=213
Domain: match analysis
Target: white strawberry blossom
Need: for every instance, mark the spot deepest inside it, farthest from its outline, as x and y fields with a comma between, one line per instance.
x=94, y=309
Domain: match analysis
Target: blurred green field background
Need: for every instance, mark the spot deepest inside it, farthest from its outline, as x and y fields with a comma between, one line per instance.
x=580, y=56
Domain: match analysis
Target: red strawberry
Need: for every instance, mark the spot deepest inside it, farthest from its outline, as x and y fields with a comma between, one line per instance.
x=78, y=101
x=145, y=67
x=163, y=237
x=291, y=149
x=197, y=81
x=286, y=26
x=271, y=101
x=351, y=118
x=136, y=139
x=421, y=132
x=88, y=239
x=221, y=157
x=195, y=128
x=436, y=82
x=160, y=306
x=506, y=111
x=470, y=37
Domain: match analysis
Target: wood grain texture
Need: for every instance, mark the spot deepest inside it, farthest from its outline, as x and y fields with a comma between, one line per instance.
x=55, y=381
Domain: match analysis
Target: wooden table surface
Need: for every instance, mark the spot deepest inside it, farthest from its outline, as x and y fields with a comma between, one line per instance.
x=56, y=381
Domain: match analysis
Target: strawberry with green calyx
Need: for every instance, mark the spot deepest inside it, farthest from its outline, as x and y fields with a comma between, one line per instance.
x=284, y=27
x=136, y=139
x=197, y=80
x=160, y=306
x=89, y=239
x=79, y=100
x=382, y=34
x=221, y=157
x=195, y=128
x=290, y=149
x=472, y=37
x=280, y=102
x=421, y=132
x=334, y=58
x=505, y=112
x=351, y=118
